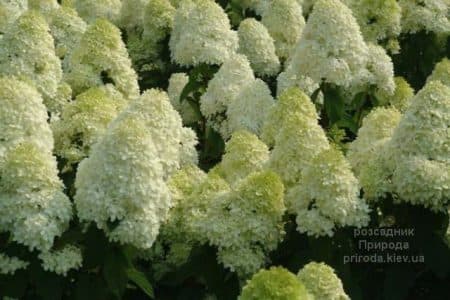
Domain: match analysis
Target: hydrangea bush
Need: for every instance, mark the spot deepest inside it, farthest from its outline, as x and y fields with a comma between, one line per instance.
x=200, y=149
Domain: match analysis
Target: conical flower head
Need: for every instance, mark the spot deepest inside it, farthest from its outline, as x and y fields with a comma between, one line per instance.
x=378, y=20
x=331, y=47
x=250, y=108
x=276, y=283
x=321, y=281
x=67, y=29
x=279, y=15
x=158, y=20
x=256, y=43
x=400, y=99
x=85, y=120
x=419, y=149
x=292, y=128
x=23, y=117
x=377, y=129
x=244, y=154
x=33, y=207
x=124, y=179
x=223, y=89
x=100, y=58
x=28, y=52
x=90, y=11
x=428, y=15
x=246, y=223
x=201, y=34
x=327, y=196
x=441, y=72
x=10, y=11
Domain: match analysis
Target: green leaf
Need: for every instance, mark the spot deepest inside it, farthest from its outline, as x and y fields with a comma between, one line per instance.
x=141, y=281
x=114, y=271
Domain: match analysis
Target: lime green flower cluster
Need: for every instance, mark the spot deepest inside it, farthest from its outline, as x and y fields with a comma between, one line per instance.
x=99, y=58
x=85, y=120
x=27, y=51
x=314, y=281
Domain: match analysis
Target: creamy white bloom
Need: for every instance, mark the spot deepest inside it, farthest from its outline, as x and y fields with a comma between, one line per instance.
x=429, y=15
x=201, y=34
x=377, y=128
x=27, y=51
x=9, y=265
x=67, y=28
x=177, y=82
x=10, y=10
x=33, y=207
x=244, y=154
x=223, y=90
x=256, y=43
x=441, y=72
x=123, y=182
x=250, y=108
x=61, y=261
x=292, y=129
x=327, y=196
x=378, y=20
x=418, y=152
x=401, y=97
x=23, y=117
x=92, y=10
x=284, y=21
x=332, y=50
x=99, y=58
x=84, y=121
x=132, y=14
x=321, y=281
x=245, y=224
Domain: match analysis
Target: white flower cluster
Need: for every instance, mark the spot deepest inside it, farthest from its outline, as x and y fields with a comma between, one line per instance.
x=378, y=20
x=277, y=17
x=147, y=23
x=313, y=281
x=292, y=129
x=321, y=189
x=61, y=261
x=9, y=265
x=66, y=26
x=23, y=117
x=429, y=15
x=417, y=155
x=244, y=153
x=33, y=207
x=331, y=49
x=276, y=283
x=201, y=34
x=245, y=224
x=85, y=120
x=90, y=11
x=377, y=128
x=327, y=196
x=10, y=10
x=401, y=97
x=177, y=83
x=321, y=281
x=99, y=58
x=235, y=100
x=122, y=186
x=237, y=207
x=256, y=43
x=27, y=51
x=441, y=72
